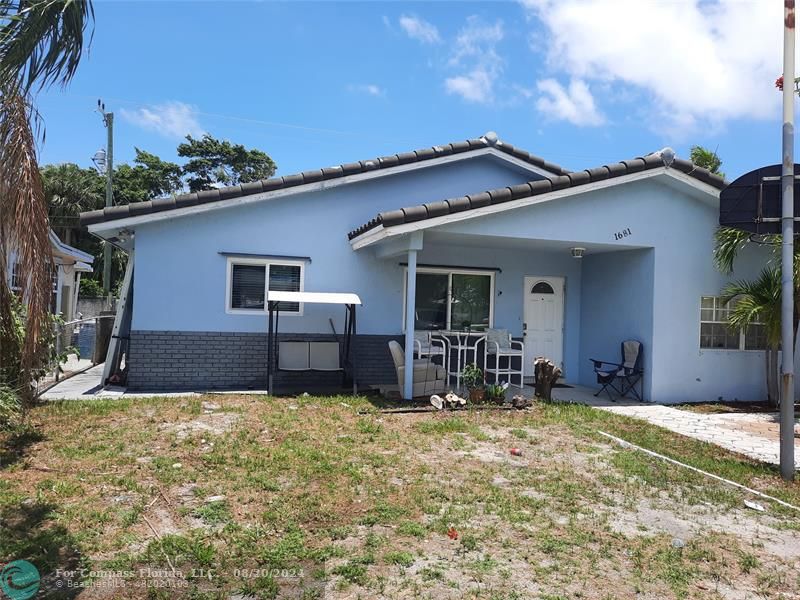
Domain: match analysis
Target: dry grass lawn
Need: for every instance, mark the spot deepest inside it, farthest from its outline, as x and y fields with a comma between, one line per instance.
x=246, y=496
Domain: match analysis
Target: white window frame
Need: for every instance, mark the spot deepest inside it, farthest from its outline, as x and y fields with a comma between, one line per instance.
x=265, y=262
x=450, y=273
x=742, y=334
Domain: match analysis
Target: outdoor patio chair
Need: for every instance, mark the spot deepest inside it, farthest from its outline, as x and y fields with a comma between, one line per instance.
x=428, y=377
x=498, y=344
x=428, y=346
x=621, y=377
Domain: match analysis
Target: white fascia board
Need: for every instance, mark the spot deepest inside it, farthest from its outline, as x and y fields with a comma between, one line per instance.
x=69, y=251
x=379, y=233
x=102, y=229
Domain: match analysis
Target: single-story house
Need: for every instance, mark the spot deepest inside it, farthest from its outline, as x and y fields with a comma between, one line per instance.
x=571, y=263
x=69, y=263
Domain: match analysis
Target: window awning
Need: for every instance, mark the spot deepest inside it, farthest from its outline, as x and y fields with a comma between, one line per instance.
x=313, y=297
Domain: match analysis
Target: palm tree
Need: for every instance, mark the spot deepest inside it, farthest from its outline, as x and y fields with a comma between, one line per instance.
x=759, y=301
x=41, y=44
x=708, y=159
x=70, y=190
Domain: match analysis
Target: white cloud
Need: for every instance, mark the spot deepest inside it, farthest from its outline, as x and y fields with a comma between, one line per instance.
x=171, y=119
x=370, y=89
x=574, y=104
x=475, y=54
x=698, y=62
x=476, y=39
x=475, y=86
x=420, y=29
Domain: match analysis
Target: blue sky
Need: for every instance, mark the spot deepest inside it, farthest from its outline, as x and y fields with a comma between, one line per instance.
x=579, y=82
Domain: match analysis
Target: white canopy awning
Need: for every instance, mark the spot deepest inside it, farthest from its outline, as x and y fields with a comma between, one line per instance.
x=313, y=297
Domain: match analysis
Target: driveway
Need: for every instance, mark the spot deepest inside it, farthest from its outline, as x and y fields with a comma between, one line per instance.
x=752, y=434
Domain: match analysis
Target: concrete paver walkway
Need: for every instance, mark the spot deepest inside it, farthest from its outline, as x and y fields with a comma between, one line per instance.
x=752, y=434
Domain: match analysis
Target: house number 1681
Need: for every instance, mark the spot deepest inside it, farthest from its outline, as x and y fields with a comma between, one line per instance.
x=623, y=234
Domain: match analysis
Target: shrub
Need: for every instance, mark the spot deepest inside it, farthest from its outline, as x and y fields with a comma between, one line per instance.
x=90, y=288
x=10, y=408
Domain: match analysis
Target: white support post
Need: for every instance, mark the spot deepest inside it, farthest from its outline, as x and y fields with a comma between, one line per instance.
x=411, y=296
x=75, y=292
x=787, y=250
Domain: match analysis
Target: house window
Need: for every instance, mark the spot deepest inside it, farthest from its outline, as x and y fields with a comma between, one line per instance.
x=250, y=279
x=716, y=333
x=454, y=300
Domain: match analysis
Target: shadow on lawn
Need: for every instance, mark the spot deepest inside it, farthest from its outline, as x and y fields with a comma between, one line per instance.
x=29, y=534
x=16, y=444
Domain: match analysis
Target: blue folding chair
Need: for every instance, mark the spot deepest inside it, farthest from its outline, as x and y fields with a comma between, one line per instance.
x=621, y=377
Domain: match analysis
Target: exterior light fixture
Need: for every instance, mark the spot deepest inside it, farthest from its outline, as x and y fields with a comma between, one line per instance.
x=577, y=252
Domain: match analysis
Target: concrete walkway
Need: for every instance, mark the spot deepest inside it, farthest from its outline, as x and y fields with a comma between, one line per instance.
x=753, y=434
x=82, y=385
x=86, y=386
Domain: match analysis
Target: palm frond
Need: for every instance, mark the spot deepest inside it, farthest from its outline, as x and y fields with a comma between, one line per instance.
x=728, y=243
x=757, y=301
x=25, y=230
x=42, y=41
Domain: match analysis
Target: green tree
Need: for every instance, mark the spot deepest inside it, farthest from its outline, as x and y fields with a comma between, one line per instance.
x=41, y=43
x=214, y=163
x=149, y=177
x=70, y=190
x=759, y=301
x=703, y=157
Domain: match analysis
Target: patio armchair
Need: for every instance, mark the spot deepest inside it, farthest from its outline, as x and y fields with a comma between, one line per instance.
x=498, y=344
x=428, y=377
x=624, y=376
x=428, y=346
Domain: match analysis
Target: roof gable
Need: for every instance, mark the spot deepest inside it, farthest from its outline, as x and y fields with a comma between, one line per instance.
x=575, y=179
x=299, y=182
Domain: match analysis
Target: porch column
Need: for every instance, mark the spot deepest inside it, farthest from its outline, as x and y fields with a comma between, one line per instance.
x=411, y=296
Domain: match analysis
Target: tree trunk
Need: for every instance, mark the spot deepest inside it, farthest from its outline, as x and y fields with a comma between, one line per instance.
x=545, y=374
x=773, y=393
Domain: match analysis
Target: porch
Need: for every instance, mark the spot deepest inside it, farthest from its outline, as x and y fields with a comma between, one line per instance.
x=568, y=300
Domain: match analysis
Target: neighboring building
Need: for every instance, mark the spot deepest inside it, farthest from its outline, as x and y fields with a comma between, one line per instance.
x=493, y=231
x=69, y=263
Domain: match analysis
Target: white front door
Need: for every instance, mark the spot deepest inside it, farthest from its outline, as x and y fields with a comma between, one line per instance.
x=543, y=328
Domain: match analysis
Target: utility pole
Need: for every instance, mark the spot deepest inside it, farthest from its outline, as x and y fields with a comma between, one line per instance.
x=108, y=121
x=787, y=249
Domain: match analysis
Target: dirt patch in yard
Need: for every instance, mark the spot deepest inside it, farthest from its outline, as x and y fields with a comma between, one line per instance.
x=215, y=424
x=686, y=523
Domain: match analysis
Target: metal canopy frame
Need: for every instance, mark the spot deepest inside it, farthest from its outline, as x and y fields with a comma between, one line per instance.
x=349, y=301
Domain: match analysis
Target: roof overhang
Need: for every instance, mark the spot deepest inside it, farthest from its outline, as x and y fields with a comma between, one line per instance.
x=65, y=251
x=111, y=228
x=313, y=297
x=669, y=176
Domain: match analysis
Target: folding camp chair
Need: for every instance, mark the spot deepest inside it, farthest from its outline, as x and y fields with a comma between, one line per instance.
x=621, y=377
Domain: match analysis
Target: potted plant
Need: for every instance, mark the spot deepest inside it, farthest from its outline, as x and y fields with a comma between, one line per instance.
x=472, y=376
x=496, y=392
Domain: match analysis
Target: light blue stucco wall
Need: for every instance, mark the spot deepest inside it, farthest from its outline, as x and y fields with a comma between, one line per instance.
x=180, y=276
x=618, y=292
x=664, y=216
